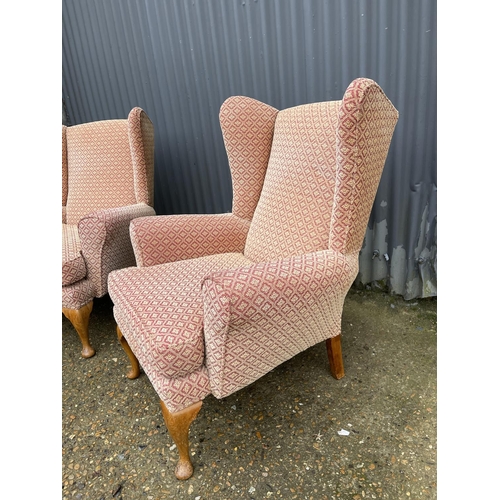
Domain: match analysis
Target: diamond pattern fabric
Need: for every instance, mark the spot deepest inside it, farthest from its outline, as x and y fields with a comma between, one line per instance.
x=160, y=313
x=161, y=239
x=100, y=171
x=215, y=323
x=107, y=180
x=64, y=172
x=259, y=316
x=141, y=138
x=247, y=128
x=73, y=264
x=297, y=197
x=78, y=294
x=366, y=123
x=105, y=241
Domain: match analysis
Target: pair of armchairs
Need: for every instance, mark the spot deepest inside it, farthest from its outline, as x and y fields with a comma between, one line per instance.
x=217, y=301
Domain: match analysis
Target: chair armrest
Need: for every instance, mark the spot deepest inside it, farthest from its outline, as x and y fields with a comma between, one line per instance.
x=168, y=238
x=258, y=316
x=284, y=284
x=105, y=241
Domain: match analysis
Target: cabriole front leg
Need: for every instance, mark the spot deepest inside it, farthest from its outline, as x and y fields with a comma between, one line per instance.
x=178, y=424
x=79, y=318
x=135, y=370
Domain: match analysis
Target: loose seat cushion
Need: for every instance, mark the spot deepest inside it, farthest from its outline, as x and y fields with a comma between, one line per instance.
x=160, y=311
x=73, y=264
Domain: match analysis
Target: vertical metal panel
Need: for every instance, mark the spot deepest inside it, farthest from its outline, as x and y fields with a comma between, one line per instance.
x=180, y=59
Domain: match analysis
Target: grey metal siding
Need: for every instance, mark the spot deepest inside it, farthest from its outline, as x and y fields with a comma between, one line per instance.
x=179, y=60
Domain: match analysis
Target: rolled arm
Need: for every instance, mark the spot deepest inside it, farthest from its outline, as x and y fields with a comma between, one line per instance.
x=105, y=241
x=293, y=282
x=168, y=238
x=270, y=312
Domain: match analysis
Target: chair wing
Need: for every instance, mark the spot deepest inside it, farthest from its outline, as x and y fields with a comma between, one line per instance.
x=366, y=124
x=247, y=128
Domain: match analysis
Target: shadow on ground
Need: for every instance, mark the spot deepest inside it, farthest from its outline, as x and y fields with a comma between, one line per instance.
x=277, y=438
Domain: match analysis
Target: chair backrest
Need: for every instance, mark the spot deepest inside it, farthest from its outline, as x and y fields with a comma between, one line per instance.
x=324, y=167
x=107, y=164
x=294, y=210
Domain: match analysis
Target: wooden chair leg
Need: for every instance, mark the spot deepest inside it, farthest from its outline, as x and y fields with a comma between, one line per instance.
x=135, y=370
x=334, y=350
x=80, y=320
x=178, y=426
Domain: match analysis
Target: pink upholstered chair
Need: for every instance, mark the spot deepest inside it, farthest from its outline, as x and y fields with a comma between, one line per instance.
x=107, y=180
x=218, y=301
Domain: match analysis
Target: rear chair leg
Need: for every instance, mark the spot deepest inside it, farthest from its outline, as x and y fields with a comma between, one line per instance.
x=178, y=426
x=334, y=350
x=79, y=318
x=135, y=370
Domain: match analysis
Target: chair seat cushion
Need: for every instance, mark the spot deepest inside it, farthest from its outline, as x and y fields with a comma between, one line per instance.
x=159, y=310
x=73, y=264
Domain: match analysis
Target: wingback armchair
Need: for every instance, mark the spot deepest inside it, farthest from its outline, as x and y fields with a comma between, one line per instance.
x=107, y=180
x=217, y=301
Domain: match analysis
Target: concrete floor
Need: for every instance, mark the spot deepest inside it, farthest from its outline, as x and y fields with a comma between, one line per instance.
x=279, y=437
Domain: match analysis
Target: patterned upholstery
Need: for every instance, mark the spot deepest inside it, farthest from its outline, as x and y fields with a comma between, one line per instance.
x=96, y=150
x=161, y=239
x=162, y=313
x=259, y=316
x=78, y=294
x=214, y=318
x=73, y=263
x=247, y=128
x=107, y=180
x=141, y=140
x=366, y=124
x=64, y=172
x=297, y=197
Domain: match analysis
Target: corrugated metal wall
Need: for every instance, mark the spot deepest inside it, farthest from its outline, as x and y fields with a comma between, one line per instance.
x=180, y=59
